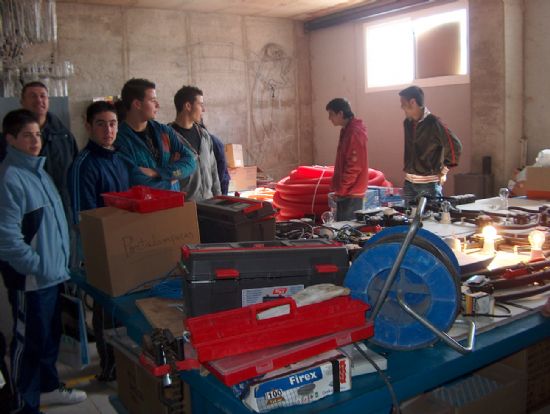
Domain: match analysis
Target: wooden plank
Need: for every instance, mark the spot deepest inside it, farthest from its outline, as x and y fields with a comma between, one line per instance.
x=163, y=313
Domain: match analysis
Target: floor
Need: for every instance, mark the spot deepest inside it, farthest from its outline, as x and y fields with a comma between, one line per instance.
x=98, y=392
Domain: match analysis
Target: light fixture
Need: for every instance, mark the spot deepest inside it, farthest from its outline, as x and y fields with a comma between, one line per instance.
x=536, y=240
x=489, y=234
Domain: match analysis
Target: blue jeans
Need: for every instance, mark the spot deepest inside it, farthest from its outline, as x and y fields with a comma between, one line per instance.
x=412, y=191
x=345, y=206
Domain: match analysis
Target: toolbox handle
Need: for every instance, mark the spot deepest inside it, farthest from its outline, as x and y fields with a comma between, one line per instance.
x=260, y=307
x=226, y=273
x=326, y=268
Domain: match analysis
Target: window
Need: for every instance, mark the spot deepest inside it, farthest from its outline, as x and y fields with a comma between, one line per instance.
x=425, y=48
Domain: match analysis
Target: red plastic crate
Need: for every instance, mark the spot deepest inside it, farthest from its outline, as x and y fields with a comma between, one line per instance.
x=237, y=331
x=235, y=369
x=142, y=199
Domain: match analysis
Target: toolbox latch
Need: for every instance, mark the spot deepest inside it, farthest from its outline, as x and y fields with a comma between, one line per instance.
x=226, y=273
x=326, y=268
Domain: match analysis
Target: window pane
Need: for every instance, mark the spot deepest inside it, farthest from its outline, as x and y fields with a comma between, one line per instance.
x=440, y=45
x=389, y=54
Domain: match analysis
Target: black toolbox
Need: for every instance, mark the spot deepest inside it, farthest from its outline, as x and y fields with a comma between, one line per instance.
x=233, y=219
x=221, y=276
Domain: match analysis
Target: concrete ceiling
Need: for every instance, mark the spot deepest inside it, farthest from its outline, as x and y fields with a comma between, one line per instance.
x=289, y=9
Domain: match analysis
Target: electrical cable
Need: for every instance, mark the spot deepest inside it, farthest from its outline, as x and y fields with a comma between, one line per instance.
x=395, y=402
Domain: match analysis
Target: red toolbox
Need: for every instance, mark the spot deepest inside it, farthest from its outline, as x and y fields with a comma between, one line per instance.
x=239, y=331
x=235, y=369
x=233, y=219
x=221, y=276
x=143, y=199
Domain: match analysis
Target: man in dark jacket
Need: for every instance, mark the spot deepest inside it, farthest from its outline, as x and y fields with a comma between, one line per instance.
x=58, y=144
x=99, y=168
x=430, y=148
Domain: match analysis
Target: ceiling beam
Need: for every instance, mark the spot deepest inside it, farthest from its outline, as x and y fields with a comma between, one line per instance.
x=366, y=11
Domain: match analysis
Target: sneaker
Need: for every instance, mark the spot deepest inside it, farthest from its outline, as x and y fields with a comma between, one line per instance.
x=63, y=395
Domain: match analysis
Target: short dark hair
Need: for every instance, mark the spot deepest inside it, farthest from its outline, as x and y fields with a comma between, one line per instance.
x=340, y=104
x=98, y=107
x=185, y=94
x=15, y=121
x=12, y=124
x=135, y=89
x=413, y=92
x=33, y=84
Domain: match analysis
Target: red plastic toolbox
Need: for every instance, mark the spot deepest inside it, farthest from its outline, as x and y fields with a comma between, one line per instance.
x=238, y=331
x=235, y=369
x=144, y=199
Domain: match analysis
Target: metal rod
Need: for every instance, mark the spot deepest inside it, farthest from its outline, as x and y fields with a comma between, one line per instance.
x=400, y=256
x=442, y=335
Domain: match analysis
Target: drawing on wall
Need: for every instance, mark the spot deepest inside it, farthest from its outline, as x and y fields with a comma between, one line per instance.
x=273, y=108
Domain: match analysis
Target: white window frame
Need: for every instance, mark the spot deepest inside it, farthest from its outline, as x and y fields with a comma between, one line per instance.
x=426, y=82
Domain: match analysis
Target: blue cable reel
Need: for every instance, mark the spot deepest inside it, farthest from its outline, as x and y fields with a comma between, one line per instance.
x=427, y=281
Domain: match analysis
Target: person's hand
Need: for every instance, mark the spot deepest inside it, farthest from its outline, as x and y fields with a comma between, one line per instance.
x=443, y=175
x=149, y=172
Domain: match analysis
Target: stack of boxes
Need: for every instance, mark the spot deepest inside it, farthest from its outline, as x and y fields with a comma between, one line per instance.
x=242, y=178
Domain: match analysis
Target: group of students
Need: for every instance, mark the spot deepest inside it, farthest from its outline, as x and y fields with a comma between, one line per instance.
x=44, y=184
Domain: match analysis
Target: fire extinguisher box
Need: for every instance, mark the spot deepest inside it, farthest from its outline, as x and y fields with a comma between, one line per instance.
x=222, y=276
x=235, y=219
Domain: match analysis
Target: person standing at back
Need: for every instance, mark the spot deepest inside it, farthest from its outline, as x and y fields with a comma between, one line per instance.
x=58, y=143
x=351, y=168
x=158, y=159
x=430, y=148
x=204, y=183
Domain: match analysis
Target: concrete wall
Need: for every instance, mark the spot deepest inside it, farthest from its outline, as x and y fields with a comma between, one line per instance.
x=537, y=84
x=254, y=72
x=337, y=69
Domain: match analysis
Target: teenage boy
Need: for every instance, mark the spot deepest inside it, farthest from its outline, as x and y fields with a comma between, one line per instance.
x=204, y=183
x=157, y=156
x=34, y=255
x=99, y=168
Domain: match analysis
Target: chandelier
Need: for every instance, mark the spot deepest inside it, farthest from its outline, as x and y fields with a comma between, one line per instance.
x=24, y=23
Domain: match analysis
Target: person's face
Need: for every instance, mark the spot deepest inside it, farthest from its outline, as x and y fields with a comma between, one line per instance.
x=28, y=140
x=35, y=99
x=410, y=108
x=196, y=109
x=149, y=106
x=103, y=129
x=337, y=118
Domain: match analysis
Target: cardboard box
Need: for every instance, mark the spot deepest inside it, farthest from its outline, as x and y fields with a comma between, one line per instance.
x=242, y=178
x=495, y=389
x=300, y=383
x=234, y=155
x=425, y=404
x=537, y=183
x=123, y=249
x=138, y=390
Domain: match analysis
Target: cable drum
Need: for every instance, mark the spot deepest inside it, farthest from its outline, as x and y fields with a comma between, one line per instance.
x=428, y=280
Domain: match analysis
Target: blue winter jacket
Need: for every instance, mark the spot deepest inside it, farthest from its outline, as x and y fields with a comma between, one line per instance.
x=176, y=161
x=34, y=239
x=96, y=170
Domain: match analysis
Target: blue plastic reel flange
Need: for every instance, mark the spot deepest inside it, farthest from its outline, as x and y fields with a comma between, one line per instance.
x=428, y=278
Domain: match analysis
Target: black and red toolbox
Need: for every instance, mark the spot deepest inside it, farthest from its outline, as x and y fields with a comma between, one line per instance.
x=222, y=276
x=233, y=219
